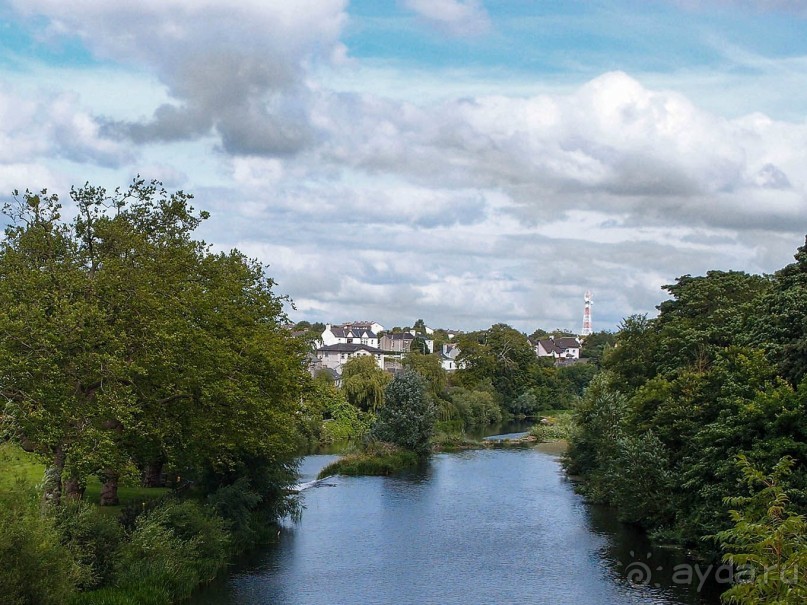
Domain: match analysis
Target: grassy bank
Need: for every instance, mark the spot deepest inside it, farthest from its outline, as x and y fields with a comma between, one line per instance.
x=554, y=426
x=155, y=548
x=379, y=459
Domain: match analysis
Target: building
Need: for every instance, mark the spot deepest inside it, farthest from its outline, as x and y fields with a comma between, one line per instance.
x=336, y=355
x=562, y=347
x=448, y=358
x=350, y=334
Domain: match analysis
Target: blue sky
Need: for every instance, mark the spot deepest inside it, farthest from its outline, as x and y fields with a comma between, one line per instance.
x=463, y=161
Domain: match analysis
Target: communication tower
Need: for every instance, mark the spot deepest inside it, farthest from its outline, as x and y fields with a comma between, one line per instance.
x=587, y=314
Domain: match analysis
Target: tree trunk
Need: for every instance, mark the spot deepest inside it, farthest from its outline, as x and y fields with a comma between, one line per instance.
x=109, y=489
x=73, y=488
x=153, y=474
x=52, y=492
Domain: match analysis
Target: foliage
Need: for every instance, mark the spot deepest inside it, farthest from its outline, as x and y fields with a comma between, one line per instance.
x=501, y=355
x=125, y=342
x=35, y=568
x=378, y=459
x=553, y=428
x=768, y=541
x=407, y=417
x=682, y=395
x=363, y=383
x=429, y=368
x=781, y=324
x=474, y=408
x=596, y=345
x=92, y=538
x=343, y=421
x=176, y=546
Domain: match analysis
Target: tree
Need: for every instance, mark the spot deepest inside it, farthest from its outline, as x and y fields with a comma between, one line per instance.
x=430, y=369
x=407, y=417
x=500, y=354
x=125, y=342
x=768, y=542
x=363, y=382
x=781, y=320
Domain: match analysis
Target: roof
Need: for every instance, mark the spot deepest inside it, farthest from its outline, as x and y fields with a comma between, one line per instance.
x=558, y=345
x=400, y=336
x=356, y=331
x=348, y=347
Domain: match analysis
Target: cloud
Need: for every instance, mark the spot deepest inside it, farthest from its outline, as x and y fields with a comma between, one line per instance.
x=35, y=131
x=797, y=7
x=612, y=146
x=234, y=69
x=464, y=208
x=456, y=17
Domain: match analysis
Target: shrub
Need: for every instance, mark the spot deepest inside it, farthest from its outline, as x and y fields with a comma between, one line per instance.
x=35, y=568
x=407, y=416
x=177, y=546
x=378, y=459
x=92, y=537
x=236, y=504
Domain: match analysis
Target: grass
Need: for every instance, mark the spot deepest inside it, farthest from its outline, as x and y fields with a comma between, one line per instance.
x=18, y=465
x=454, y=442
x=377, y=460
x=553, y=428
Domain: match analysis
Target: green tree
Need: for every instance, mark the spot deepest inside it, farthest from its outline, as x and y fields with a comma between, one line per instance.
x=430, y=369
x=780, y=324
x=500, y=354
x=768, y=541
x=363, y=383
x=407, y=416
x=125, y=341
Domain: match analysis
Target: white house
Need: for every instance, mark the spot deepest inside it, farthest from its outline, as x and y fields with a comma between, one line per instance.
x=349, y=334
x=563, y=347
x=448, y=358
x=336, y=355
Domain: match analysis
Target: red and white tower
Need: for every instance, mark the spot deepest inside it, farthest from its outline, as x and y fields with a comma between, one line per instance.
x=587, y=314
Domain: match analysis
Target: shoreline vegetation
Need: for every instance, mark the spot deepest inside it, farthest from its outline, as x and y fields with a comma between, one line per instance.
x=384, y=459
x=157, y=398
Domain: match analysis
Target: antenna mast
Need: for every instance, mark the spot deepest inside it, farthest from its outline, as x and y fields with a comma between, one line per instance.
x=587, y=314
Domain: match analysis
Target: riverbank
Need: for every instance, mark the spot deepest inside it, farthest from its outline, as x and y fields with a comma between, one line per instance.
x=478, y=526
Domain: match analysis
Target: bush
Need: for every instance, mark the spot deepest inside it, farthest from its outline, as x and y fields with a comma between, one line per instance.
x=92, y=537
x=476, y=408
x=176, y=547
x=379, y=459
x=407, y=416
x=236, y=504
x=35, y=568
x=554, y=428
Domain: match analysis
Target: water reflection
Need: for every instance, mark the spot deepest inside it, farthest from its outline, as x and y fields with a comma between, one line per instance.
x=635, y=561
x=491, y=526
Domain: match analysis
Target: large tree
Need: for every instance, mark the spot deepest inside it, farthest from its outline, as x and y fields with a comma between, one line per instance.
x=125, y=342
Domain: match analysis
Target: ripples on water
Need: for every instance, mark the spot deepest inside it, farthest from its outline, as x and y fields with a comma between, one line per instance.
x=488, y=526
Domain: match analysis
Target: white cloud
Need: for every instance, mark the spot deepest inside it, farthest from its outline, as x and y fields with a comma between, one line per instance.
x=462, y=207
x=235, y=68
x=457, y=17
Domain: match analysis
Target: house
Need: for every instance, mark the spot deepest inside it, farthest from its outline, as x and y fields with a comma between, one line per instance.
x=334, y=356
x=397, y=342
x=448, y=358
x=401, y=342
x=358, y=333
x=562, y=347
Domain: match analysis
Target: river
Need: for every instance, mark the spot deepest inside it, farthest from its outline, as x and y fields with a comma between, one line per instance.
x=483, y=526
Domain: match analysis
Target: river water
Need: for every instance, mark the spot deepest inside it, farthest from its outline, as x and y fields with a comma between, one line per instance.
x=484, y=526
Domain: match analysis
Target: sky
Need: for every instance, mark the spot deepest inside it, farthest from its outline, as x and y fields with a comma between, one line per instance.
x=467, y=162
